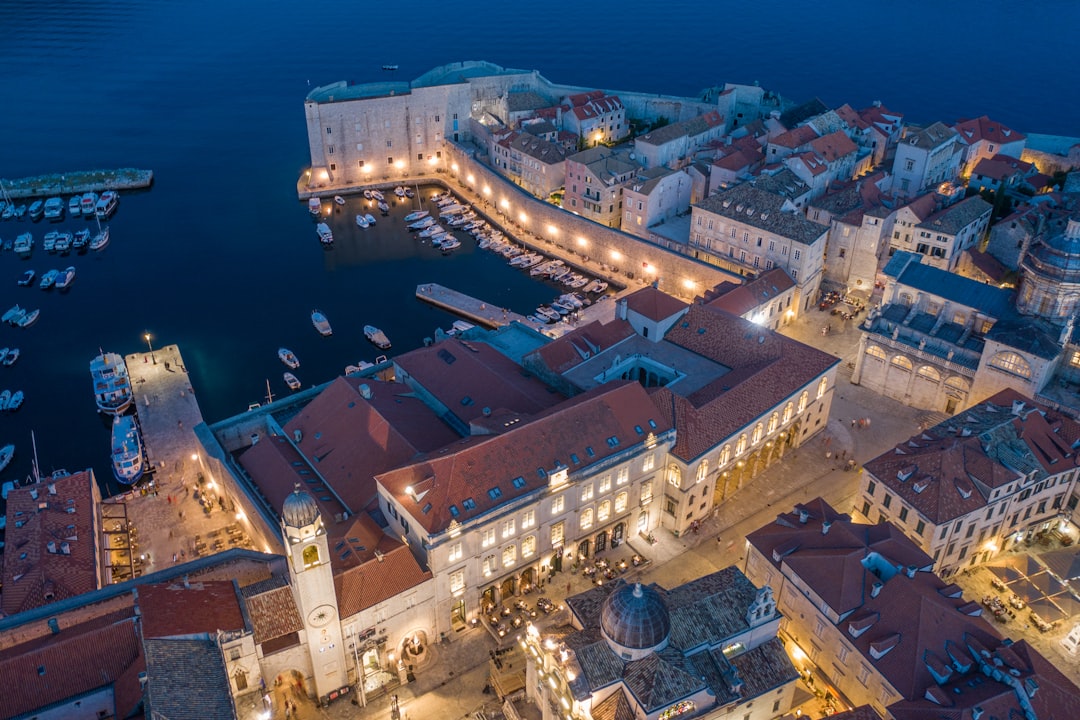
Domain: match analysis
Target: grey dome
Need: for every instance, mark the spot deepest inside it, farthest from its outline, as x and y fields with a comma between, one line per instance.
x=635, y=617
x=1057, y=257
x=299, y=509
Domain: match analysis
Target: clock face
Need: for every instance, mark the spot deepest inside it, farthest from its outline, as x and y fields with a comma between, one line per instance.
x=322, y=615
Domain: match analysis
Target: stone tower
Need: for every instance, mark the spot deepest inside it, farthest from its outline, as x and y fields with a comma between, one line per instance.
x=313, y=586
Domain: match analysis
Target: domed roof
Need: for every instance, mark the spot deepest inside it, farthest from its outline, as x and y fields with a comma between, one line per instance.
x=1056, y=255
x=635, y=617
x=299, y=509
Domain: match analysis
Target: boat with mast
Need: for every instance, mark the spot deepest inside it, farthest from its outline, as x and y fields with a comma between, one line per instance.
x=112, y=384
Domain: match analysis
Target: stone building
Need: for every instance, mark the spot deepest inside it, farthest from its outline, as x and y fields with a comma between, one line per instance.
x=925, y=158
x=943, y=237
x=862, y=607
x=860, y=218
x=594, y=183
x=983, y=138
x=1050, y=273
x=595, y=117
x=653, y=196
x=536, y=164
x=675, y=145
x=703, y=649
x=978, y=483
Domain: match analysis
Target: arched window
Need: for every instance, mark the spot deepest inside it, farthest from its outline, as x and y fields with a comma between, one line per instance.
x=725, y=456
x=774, y=422
x=875, y=352
x=586, y=518
x=702, y=470
x=759, y=430
x=957, y=383
x=822, y=387
x=311, y=556
x=620, y=502
x=740, y=446
x=902, y=362
x=1011, y=363
x=674, y=475
x=925, y=371
x=603, y=511
x=789, y=410
x=803, y=400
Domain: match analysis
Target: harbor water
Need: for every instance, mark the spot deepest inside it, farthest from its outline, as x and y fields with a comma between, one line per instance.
x=219, y=256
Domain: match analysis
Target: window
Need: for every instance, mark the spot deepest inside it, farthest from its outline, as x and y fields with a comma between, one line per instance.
x=870, y=488
x=330, y=150
x=389, y=143
x=887, y=501
x=774, y=422
x=648, y=462
x=623, y=476
x=919, y=527
x=455, y=552
x=740, y=446
x=725, y=456
x=803, y=400
x=864, y=673
x=620, y=502
x=586, y=492
x=1011, y=363
x=457, y=581
x=586, y=518
x=646, y=492
x=509, y=555
x=789, y=410
x=508, y=528
x=822, y=387
x=528, y=546
x=605, y=484
x=909, y=164
x=759, y=431
x=489, y=565
x=670, y=505
x=603, y=511
x=488, y=538
x=903, y=514
x=703, y=470
x=390, y=160
x=528, y=518
x=557, y=534
x=876, y=352
x=558, y=504
x=674, y=475
x=796, y=254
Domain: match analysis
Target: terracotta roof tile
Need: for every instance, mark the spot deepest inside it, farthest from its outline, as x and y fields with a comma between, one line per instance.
x=377, y=580
x=582, y=343
x=171, y=609
x=796, y=138
x=653, y=304
x=833, y=146
x=741, y=299
x=983, y=128
x=273, y=614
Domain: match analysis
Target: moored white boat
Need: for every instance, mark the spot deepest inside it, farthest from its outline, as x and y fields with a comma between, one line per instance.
x=370, y=218
x=63, y=243
x=417, y=215
x=5, y=398
x=81, y=239
x=37, y=209
x=48, y=279
x=29, y=318
x=422, y=223
x=6, y=453
x=49, y=241
x=65, y=278
x=26, y=278
x=88, y=204
x=376, y=336
x=24, y=243
x=16, y=401
x=292, y=381
x=75, y=206
x=326, y=236
x=127, y=450
x=339, y=200
x=112, y=384
x=54, y=208
x=375, y=194
x=106, y=204
x=12, y=313
x=399, y=191
x=451, y=243
x=286, y=356
x=101, y=239
x=384, y=208
x=321, y=323
x=314, y=206
x=11, y=357
x=361, y=220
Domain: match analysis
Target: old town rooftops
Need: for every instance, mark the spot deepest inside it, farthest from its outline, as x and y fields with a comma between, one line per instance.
x=764, y=210
x=463, y=481
x=956, y=217
x=189, y=607
x=983, y=128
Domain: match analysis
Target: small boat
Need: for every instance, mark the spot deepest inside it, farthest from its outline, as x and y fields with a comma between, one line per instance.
x=127, y=451
x=359, y=367
x=377, y=337
x=325, y=235
x=370, y=218
x=458, y=327
x=112, y=384
x=560, y=308
x=48, y=279
x=390, y=67
x=65, y=278
x=24, y=243
x=81, y=239
x=11, y=314
x=3, y=353
x=596, y=286
x=101, y=239
x=54, y=208
x=75, y=206
x=314, y=206
x=292, y=381
x=88, y=204
x=418, y=215
x=321, y=323
x=384, y=208
x=367, y=194
x=421, y=224
x=26, y=278
x=8, y=212
x=63, y=243
x=6, y=453
x=399, y=191
x=16, y=401
x=339, y=200
x=376, y=195
x=5, y=398
x=362, y=221
x=409, y=193
x=537, y=320
x=37, y=209
x=106, y=204
x=286, y=356
x=20, y=212
x=11, y=357
x=547, y=312
x=29, y=318
x=450, y=244
x=49, y=241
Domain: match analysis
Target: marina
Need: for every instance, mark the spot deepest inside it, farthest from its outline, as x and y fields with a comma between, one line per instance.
x=84, y=181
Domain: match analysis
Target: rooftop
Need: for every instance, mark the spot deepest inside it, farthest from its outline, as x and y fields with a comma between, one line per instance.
x=764, y=210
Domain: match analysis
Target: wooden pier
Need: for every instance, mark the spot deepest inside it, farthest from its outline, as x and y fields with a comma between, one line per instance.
x=470, y=308
x=82, y=181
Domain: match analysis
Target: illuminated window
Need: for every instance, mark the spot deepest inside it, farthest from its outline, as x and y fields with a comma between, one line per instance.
x=488, y=537
x=557, y=534
x=558, y=504
x=789, y=410
x=1011, y=363
x=925, y=371
x=311, y=556
x=455, y=552
x=740, y=446
x=1075, y=359
x=759, y=431
x=674, y=475
x=875, y=352
x=620, y=502
x=702, y=470
x=803, y=400
x=457, y=581
x=822, y=387
x=508, y=528
x=646, y=492
x=774, y=422
x=586, y=492
x=605, y=484
x=623, y=476
x=603, y=512
x=509, y=555
x=528, y=546
x=489, y=565
x=648, y=462
x=725, y=456
x=528, y=518
x=586, y=518
x=902, y=362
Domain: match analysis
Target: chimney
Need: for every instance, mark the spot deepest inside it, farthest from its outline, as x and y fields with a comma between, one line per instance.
x=911, y=570
x=187, y=583
x=876, y=589
x=54, y=626
x=297, y=435
x=1017, y=407
x=804, y=515
x=825, y=525
x=379, y=555
x=52, y=486
x=365, y=391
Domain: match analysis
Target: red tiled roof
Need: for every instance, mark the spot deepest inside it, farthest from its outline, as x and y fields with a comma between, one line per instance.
x=597, y=107
x=741, y=299
x=851, y=118
x=76, y=661
x=1000, y=167
x=652, y=304
x=813, y=164
x=987, y=264
x=51, y=544
x=273, y=614
x=582, y=98
x=171, y=609
x=796, y=137
x=576, y=346
x=482, y=470
x=378, y=579
x=983, y=128
x=833, y=146
x=923, y=206
x=766, y=368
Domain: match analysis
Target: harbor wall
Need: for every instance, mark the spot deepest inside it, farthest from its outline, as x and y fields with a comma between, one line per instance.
x=78, y=182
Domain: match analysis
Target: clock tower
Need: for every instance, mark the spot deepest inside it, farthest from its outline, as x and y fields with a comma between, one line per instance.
x=313, y=587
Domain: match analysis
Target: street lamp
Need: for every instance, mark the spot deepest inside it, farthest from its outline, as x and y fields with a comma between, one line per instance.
x=146, y=336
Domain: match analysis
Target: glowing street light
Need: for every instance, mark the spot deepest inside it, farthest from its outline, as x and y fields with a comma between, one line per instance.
x=146, y=337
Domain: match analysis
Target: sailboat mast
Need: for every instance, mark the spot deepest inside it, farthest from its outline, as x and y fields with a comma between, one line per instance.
x=34, y=467
x=269, y=395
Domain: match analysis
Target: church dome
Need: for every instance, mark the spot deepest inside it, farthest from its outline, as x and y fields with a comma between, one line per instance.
x=299, y=509
x=634, y=617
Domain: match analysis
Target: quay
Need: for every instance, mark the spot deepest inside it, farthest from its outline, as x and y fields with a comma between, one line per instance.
x=81, y=181
x=179, y=511
x=468, y=307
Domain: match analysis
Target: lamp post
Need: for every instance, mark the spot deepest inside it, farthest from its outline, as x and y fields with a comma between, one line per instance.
x=146, y=336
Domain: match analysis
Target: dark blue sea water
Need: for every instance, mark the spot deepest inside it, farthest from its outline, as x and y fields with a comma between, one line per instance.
x=221, y=258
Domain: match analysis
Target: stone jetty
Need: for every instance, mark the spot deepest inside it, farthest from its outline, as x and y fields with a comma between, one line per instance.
x=81, y=181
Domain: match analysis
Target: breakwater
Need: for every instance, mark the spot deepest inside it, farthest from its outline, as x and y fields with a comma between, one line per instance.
x=80, y=181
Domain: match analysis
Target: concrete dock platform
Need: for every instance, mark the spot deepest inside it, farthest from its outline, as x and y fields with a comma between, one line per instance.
x=470, y=308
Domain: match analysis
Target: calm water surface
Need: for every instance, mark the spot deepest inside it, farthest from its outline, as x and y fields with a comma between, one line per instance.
x=220, y=257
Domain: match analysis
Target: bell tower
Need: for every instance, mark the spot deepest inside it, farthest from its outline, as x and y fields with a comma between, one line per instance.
x=313, y=587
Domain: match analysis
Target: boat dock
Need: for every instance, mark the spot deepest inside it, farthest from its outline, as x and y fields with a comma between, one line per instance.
x=166, y=405
x=470, y=308
x=81, y=181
